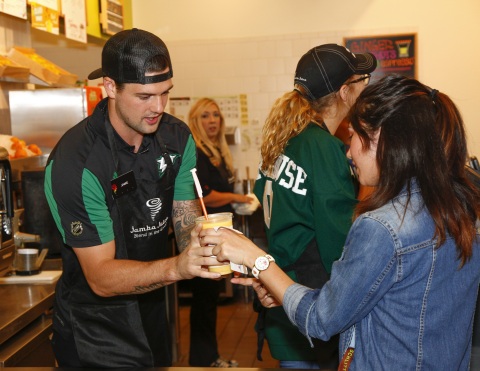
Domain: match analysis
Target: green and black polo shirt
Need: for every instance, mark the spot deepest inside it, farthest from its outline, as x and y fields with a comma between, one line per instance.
x=80, y=169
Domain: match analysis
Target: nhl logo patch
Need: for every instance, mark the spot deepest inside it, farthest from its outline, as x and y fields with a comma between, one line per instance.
x=76, y=228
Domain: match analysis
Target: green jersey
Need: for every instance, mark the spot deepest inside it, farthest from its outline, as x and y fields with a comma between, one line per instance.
x=310, y=197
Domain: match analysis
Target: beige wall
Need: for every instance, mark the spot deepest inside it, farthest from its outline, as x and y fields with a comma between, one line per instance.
x=223, y=47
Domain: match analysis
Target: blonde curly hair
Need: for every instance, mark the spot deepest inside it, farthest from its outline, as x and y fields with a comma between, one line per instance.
x=214, y=150
x=289, y=116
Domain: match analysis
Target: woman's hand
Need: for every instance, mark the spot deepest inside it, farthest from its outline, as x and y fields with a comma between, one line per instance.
x=266, y=298
x=231, y=246
x=235, y=247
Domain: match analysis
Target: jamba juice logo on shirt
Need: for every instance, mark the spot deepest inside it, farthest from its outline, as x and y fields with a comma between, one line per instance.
x=149, y=230
x=155, y=205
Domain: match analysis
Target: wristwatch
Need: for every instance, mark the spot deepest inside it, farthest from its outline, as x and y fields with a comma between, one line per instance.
x=261, y=263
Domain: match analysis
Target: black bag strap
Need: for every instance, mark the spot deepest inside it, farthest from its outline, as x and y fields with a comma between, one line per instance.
x=259, y=325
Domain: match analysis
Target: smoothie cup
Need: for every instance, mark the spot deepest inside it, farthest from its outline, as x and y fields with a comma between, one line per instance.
x=215, y=221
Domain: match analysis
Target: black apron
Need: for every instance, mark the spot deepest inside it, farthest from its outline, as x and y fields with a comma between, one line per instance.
x=131, y=331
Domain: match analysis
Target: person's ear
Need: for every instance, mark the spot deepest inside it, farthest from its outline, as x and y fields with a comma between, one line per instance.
x=344, y=92
x=109, y=86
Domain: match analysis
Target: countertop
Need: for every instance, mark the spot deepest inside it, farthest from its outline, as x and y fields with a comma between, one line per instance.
x=20, y=304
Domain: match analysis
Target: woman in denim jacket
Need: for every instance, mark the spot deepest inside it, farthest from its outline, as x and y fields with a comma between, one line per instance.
x=403, y=294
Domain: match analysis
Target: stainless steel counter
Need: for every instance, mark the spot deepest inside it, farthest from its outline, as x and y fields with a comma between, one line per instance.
x=21, y=304
x=25, y=323
x=24, y=315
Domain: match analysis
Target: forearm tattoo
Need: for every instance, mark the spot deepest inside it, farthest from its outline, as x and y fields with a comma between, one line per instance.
x=183, y=215
x=142, y=289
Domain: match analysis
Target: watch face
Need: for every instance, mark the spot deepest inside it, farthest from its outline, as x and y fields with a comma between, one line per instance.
x=262, y=263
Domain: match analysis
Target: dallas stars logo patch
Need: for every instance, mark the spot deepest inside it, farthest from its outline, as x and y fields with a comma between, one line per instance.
x=162, y=165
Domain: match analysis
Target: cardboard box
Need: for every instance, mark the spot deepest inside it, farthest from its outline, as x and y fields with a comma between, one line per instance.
x=12, y=71
x=42, y=68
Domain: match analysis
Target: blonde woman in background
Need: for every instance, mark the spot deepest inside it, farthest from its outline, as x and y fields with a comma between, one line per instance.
x=216, y=175
x=214, y=160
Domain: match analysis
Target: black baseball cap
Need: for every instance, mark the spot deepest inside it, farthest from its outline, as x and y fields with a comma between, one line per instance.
x=127, y=54
x=323, y=69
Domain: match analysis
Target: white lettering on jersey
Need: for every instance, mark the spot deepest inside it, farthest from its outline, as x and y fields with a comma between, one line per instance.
x=290, y=176
x=280, y=165
x=300, y=179
x=293, y=177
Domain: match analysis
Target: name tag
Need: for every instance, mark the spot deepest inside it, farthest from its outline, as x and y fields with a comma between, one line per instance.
x=124, y=184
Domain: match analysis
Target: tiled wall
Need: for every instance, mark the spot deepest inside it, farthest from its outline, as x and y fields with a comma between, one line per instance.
x=262, y=68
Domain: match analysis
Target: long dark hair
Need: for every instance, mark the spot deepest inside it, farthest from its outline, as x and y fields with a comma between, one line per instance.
x=422, y=136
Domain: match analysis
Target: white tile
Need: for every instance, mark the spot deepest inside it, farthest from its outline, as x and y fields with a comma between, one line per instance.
x=243, y=68
x=283, y=48
x=300, y=47
x=268, y=84
x=285, y=83
x=260, y=67
x=251, y=85
x=266, y=49
x=276, y=66
x=263, y=68
x=258, y=102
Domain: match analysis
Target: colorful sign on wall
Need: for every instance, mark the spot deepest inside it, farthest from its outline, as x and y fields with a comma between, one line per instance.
x=394, y=53
x=17, y=8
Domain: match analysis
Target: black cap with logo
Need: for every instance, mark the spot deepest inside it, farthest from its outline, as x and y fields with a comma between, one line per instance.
x=325, y=68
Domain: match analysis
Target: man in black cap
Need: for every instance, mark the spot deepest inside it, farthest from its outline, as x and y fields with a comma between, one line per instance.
x=115, y=182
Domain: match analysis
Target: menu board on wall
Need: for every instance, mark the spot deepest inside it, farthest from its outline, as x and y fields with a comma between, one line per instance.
x=50, y=4
x=394, y=53
x=17, y=8
x=111, y=16
x=75, y=20
x=45, y=19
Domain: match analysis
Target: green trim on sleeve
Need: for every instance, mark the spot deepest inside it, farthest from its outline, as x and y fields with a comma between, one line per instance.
x=95, y=204
x=184, y=188
x=51, y=200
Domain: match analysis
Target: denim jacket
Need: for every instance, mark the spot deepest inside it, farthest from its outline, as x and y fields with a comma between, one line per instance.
x=403, y=303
